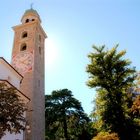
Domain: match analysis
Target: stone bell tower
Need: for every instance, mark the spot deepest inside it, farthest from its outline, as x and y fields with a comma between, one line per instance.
x=28, y=59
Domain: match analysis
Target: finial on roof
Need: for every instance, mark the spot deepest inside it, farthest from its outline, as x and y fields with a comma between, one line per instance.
x=31, y=5
x=31, y=12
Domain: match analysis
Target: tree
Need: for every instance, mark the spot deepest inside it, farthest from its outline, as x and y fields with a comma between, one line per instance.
x=136, y=107
x=112, y=76
x=65, y=117
x=12, y=108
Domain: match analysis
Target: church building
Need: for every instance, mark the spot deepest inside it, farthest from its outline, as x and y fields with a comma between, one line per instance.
x=12, y=78
x=28, y=61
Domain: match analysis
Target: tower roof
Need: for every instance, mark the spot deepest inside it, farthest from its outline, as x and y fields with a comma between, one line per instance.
x=31, y=12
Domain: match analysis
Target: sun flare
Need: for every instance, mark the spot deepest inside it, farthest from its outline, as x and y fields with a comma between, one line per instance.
x=50, y=52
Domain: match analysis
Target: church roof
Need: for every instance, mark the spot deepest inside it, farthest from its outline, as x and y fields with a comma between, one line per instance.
x=32, y=12
x=10, y=66
x=18, y=91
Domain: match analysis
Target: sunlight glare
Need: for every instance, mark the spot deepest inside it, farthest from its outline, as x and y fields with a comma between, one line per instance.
x=50, y=52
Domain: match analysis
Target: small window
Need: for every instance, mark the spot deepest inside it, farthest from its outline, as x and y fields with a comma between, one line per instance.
x=40, y=38
x=38, y=83
x=33, y=19
x=39, y=49
x=27, y=20
x=23, y=47
x=24, y=34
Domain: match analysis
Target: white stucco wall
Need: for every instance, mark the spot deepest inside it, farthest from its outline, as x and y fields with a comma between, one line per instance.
x=9, y=136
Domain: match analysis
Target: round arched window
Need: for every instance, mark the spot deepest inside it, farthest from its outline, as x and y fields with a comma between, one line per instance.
x=23, y=47
x=24, y=34
x=27, y=20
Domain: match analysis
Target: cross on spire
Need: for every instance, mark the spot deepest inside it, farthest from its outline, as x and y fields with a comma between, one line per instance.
x=31, y=5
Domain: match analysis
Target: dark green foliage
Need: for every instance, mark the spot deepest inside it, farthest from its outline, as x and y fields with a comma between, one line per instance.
x=11, y=110
x=65, y=118
x=112, y=76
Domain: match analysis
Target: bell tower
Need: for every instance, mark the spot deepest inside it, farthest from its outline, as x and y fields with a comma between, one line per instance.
x=28, y=59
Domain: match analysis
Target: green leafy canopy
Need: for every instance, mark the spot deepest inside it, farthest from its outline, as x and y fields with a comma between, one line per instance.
x=12, y=110
x=111, y=74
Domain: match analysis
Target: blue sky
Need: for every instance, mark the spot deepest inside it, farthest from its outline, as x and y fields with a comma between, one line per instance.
x=73, y=26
